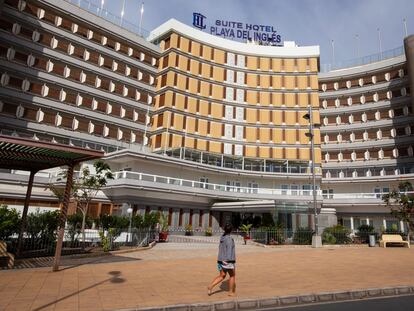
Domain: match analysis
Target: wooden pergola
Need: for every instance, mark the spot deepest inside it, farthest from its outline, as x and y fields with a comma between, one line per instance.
x=33, y=156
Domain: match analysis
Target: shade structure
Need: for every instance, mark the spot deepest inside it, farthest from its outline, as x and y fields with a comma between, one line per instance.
x=31, y=155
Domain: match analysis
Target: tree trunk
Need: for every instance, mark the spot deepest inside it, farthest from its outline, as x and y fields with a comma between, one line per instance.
x=85, y=212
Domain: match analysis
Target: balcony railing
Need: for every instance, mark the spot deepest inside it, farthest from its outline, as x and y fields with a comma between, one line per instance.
x=110, y=17
x=373, y=58
x=239, y=189
x=211, y=186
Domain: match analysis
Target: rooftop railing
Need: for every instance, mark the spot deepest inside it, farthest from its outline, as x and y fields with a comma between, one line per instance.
x=373, y=58
x=110, y=17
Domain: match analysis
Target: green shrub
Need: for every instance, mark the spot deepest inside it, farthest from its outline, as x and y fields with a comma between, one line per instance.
x=74, y=222
x=328, y=238
x=114, y=223
x=340, y=233
x=105, y=241
x=364, y=231
x=150, y=220
x=246, y=229
x=9, y=222
x=137, y=221
x=303, y=236
x=209, y=231
x=393, y=230
x=188, y=229
x=42, y=226
x=163, y=221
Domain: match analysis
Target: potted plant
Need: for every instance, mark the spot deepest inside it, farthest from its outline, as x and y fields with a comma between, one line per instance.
x=246, y=232
x=188, y=229
x=209, y=231
x=163, y=221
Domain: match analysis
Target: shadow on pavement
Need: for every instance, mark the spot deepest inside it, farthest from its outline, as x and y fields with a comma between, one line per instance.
x=115, y=277
x=70, y=262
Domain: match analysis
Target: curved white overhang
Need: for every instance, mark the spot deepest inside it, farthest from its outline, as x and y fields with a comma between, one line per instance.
x=124, y=155
x=367, y=69
x=173, y=25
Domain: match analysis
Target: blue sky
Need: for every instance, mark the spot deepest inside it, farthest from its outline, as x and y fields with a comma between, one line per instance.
x=308, y=22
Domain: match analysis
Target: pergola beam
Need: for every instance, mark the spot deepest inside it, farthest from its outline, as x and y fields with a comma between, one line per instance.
x=25, y=210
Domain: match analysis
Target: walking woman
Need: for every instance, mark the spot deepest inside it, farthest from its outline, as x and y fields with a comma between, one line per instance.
x=226, y=261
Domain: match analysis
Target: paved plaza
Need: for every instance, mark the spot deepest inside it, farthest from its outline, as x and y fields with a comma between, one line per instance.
x=175, y=273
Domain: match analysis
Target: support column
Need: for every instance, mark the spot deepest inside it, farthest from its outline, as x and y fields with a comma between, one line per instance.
x=98, y=212
x=401, y=226
x=352, y=224
x=310, y=221
x=384, y=223
x=63, y=214
x=25, y=210
x=298, y=223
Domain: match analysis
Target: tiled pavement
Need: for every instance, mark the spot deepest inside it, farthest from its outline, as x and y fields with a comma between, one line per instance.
x=179, y=273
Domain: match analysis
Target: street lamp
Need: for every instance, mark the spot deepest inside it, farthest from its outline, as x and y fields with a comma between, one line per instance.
x=316, y=238
x=129, y=211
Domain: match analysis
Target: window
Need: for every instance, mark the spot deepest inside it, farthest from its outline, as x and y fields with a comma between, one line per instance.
x=204, y=182
x=306, y=189
x=377, y=192
x=327, y=193
x=253, y=187
x=284, y=189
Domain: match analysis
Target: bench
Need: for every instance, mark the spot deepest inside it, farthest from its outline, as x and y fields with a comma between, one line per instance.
x=392, y=239
x=6, y=259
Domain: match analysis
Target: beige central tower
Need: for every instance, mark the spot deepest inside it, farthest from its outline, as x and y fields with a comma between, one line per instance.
x=233, y=104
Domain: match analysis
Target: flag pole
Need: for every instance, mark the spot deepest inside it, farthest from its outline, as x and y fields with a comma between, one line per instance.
x=140, y=20
x=123, y=11
x=380, y=42
x=405, y=27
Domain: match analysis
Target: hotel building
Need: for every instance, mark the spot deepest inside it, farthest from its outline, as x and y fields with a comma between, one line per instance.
x=205, y=129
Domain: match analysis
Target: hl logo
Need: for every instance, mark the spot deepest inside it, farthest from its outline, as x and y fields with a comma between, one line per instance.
x=198, y=20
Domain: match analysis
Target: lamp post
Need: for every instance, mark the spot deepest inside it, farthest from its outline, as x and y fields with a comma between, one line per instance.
x=316, y=238
x=129, y=211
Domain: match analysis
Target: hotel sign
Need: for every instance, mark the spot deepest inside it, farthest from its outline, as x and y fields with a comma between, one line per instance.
x=264, y=34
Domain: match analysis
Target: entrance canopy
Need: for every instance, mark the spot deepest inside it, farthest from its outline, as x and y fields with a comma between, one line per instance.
x=30, y=155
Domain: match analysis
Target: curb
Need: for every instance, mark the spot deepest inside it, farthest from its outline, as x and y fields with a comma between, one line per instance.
x=286, y=301
x=325, y=246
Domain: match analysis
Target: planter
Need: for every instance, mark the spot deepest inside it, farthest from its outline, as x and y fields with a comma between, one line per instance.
x=163, y=236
